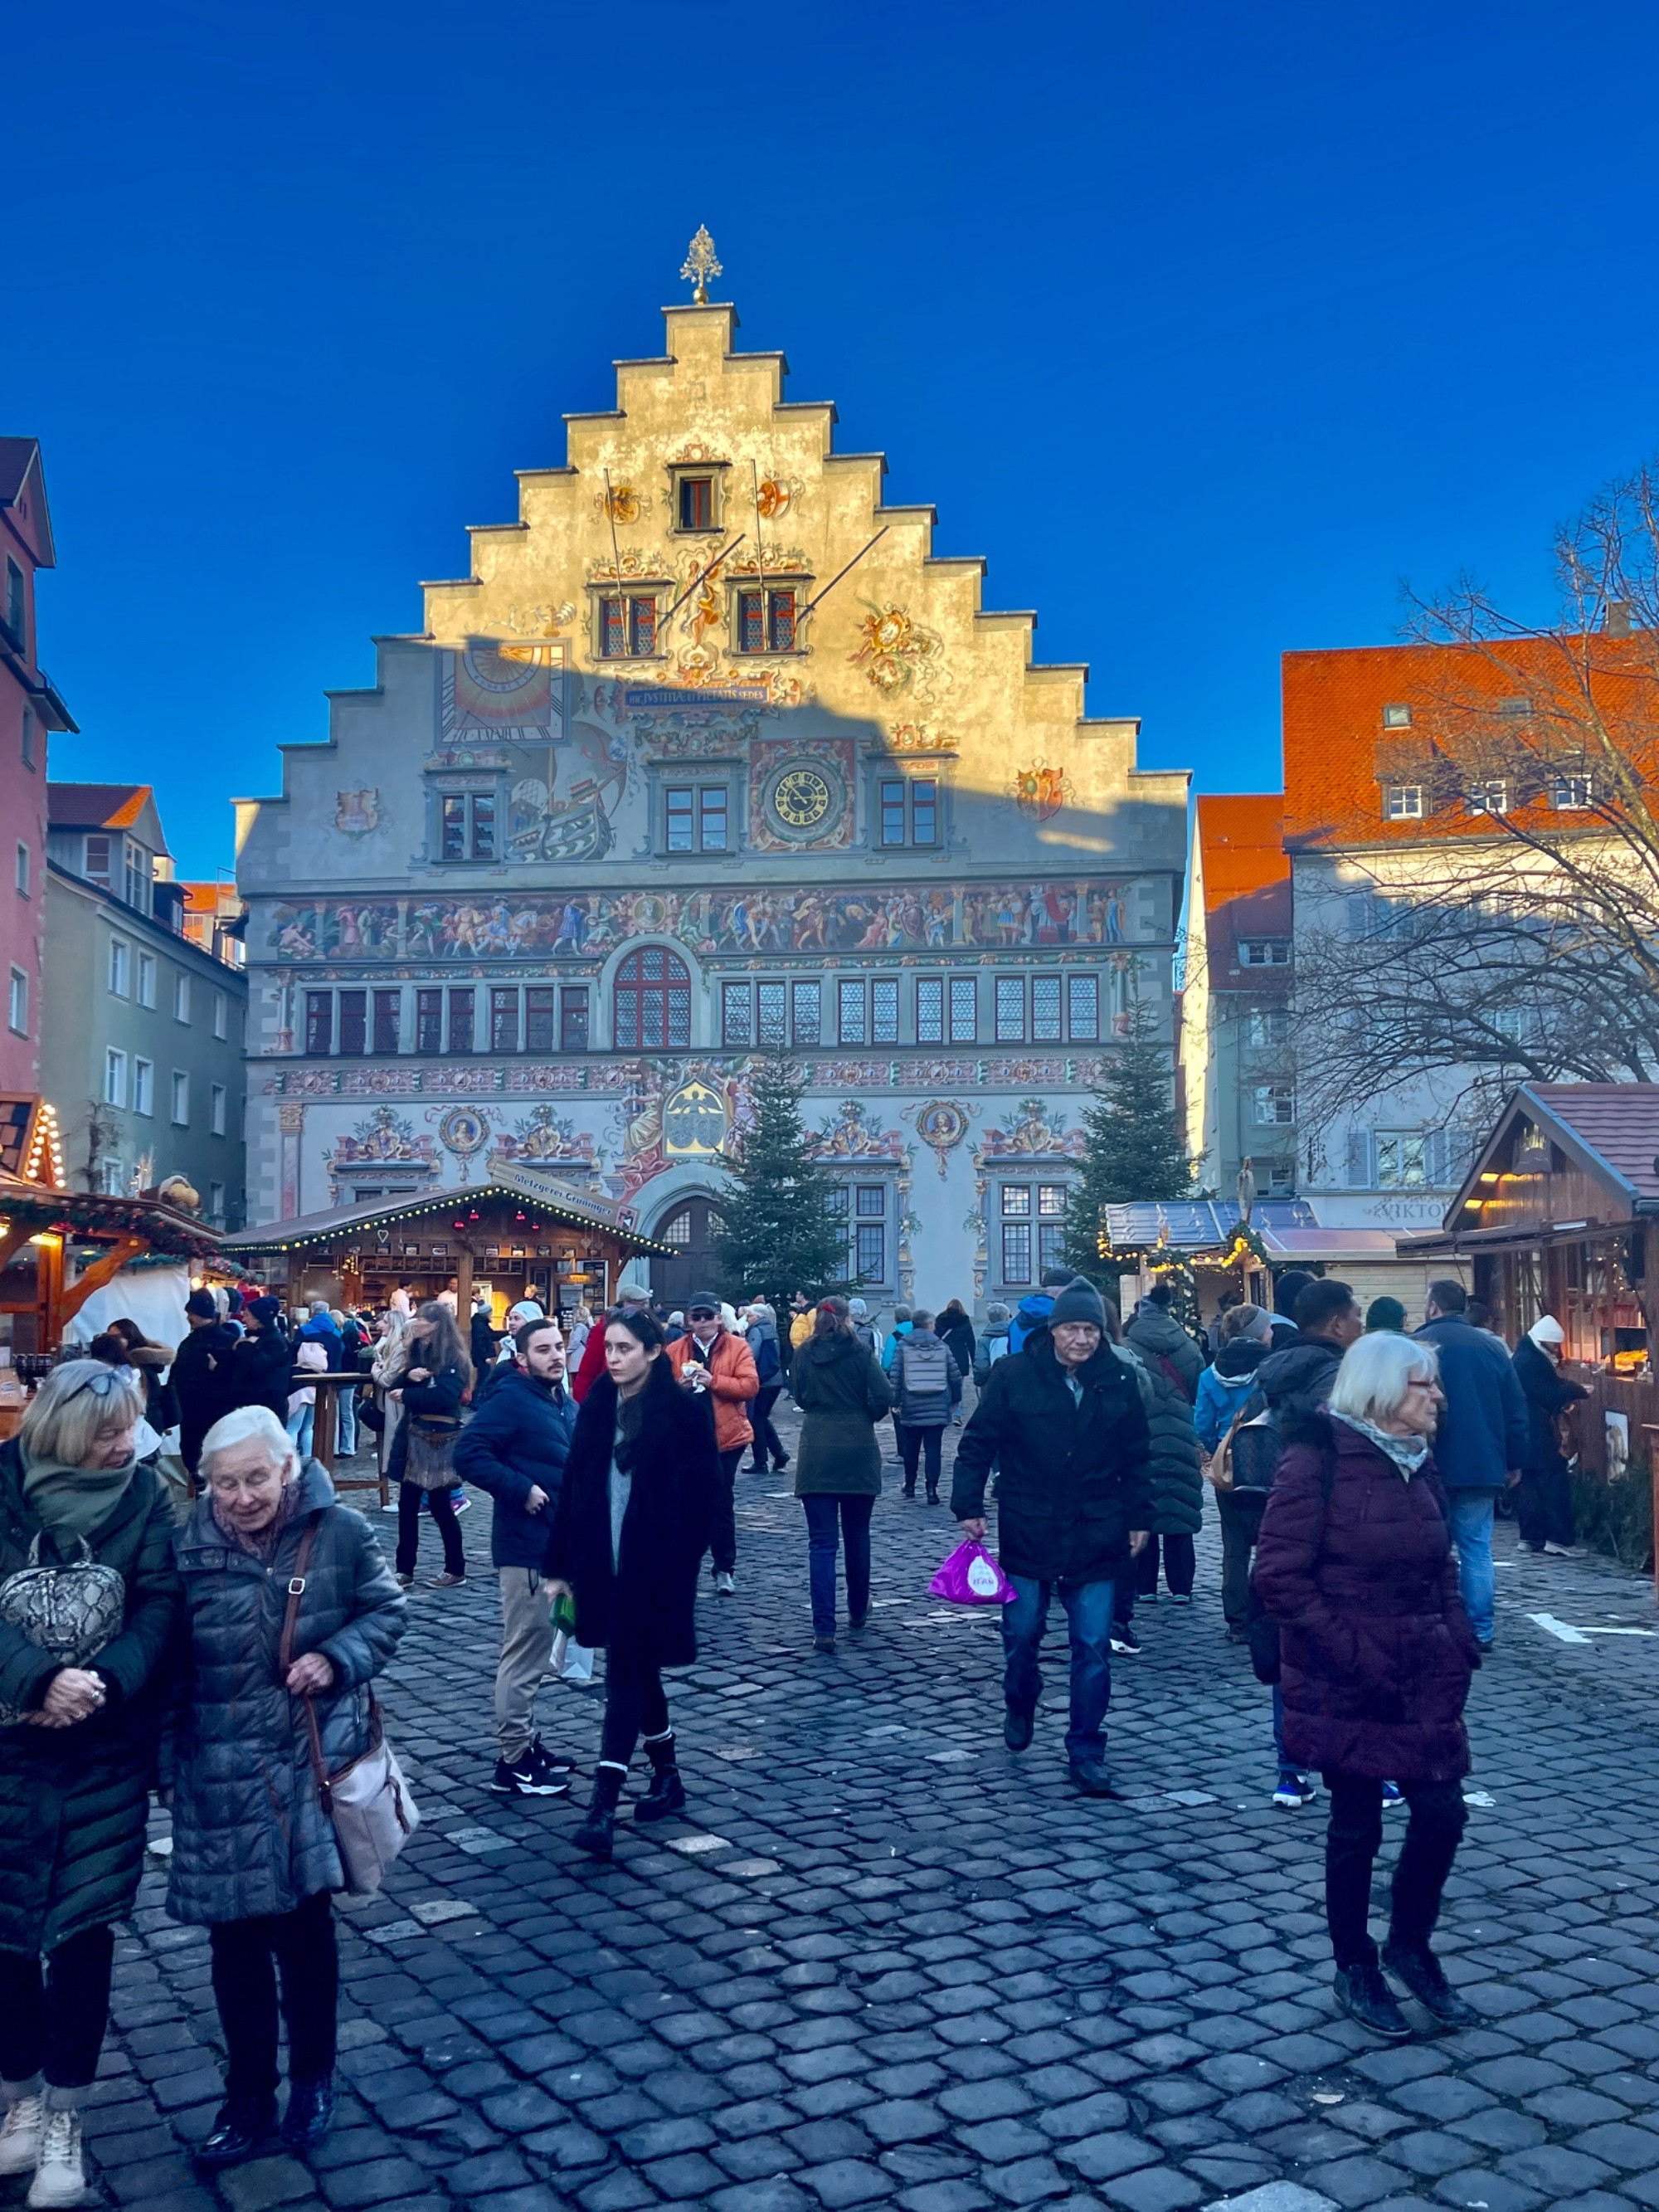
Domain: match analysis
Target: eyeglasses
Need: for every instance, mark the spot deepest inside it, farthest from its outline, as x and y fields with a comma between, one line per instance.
x=103, y=1384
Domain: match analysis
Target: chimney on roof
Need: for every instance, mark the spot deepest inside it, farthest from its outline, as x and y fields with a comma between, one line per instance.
x=1618, y=623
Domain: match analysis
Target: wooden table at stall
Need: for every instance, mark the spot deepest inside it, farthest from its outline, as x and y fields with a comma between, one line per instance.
x=324, y=1430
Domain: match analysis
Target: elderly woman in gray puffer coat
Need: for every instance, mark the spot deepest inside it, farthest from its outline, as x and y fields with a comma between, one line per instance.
x=254, y=1854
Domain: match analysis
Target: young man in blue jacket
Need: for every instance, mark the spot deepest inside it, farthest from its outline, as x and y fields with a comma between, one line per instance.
x=515, y=1447
x=1481, y=1444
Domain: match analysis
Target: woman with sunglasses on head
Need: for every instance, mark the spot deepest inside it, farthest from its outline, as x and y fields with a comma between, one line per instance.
x=633, y=1525
x=78, y=1738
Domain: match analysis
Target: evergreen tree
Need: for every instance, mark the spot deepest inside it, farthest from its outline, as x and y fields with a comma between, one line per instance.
x=1135, y=1148
x=779, y=1233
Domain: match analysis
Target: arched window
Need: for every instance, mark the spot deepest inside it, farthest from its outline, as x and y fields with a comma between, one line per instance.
x=651, y=1001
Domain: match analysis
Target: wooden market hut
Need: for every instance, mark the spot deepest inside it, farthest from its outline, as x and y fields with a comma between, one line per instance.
x=58, y=1246
x=515, y=1235
x=1559, y=1214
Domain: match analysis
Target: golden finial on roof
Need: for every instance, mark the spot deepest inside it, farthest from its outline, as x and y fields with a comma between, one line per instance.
x=701, y=264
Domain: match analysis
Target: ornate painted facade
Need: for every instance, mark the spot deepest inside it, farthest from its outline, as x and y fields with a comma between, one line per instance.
x=710, y=753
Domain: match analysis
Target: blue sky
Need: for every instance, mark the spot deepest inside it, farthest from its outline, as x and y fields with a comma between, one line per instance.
x=1205, y=323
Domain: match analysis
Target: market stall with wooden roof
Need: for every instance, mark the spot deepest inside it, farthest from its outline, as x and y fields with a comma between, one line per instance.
x=1559, y=1214
x=58, y=1246
x=514, y=1234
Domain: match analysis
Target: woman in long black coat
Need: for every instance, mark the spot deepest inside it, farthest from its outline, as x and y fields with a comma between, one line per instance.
x=633, y=1526
x=80, y=1736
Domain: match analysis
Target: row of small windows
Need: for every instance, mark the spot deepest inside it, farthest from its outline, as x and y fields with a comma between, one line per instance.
x=696, y=818
x=134, y=977
x=651, y=1011
x=139, y=1094
x=1408, y=802
x=764, y=620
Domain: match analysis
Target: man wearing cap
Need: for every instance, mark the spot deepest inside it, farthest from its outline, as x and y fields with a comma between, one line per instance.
x=711, y=1357
x=630, y=1298
x=263, y=1361
x=1543, y=1507
x=1064, y=1420
x=202, y=1374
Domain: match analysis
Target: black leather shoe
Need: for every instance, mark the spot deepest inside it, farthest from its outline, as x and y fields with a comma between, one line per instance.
x=1091, y=1779
x=310, y=2109
x=1416, y=1966
x=1362, y=1993
x=242, y=2127
x=665, y=1796
x=1017, y=1728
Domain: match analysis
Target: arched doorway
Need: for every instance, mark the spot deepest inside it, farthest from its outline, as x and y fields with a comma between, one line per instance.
x=691, y=1230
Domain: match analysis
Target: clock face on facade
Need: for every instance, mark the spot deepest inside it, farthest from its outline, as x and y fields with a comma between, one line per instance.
x=802, y=797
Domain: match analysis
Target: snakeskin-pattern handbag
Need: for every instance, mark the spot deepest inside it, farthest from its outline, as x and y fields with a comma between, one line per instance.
x=71, y=1611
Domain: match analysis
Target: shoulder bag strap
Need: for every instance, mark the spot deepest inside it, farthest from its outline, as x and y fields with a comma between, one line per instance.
x=296, y=1586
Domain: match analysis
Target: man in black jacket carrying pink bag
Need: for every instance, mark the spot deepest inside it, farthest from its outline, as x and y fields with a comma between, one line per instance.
x=1064, y=1420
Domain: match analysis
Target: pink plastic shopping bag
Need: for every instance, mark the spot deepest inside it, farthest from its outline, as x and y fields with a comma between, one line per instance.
x=971, y=1576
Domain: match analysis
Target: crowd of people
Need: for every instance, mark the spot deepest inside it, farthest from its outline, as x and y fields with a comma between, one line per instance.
x=227, y=1656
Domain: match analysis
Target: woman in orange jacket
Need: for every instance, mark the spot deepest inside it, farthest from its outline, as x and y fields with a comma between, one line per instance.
x=710, y=1357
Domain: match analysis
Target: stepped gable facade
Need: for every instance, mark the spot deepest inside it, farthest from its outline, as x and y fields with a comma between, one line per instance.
x=708, y=754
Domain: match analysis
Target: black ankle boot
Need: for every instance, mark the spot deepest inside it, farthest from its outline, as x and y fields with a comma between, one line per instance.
x=310, y=2109
x=243, y=2125
x=597, y=1832
x=666, y=1795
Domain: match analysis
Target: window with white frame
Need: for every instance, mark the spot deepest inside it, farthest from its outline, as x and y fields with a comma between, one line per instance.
x=17, y=1009
x=1571, y=793
x=930, y=1009
x=1274, y=1105
x=1264, y=952
x=737, y=1016
x=1267, y=1026
x=217, y=1098
x=1033, y=1223
x=143, y=1086
x=221, y=1015
x=180, y=1099
x=870, y=1232
x=1490, y=796
x=867, y=1010
x=1403, y=802
x=120, y=967
x=1011, y=1009
x=146, y=991
x=181, y=998
x=806, y=1012
x=1396, y=717
x=1402, y=1161
x=112, y=1178
x=98, y=860
x=467, y=826
x=696, y=817
x=115, y=1078
x=770, y=1017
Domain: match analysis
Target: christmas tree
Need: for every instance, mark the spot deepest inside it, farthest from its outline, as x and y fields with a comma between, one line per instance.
x=1135, y=1147
x=778, y=1232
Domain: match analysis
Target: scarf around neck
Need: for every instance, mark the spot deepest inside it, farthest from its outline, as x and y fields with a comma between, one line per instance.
x=75, y=1501
x=1407, y=1453
x=261, y=1543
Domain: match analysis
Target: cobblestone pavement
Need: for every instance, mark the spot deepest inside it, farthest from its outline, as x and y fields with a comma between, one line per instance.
x=885, y=1960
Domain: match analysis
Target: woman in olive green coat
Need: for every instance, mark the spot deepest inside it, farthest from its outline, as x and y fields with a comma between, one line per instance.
x=842, y=1394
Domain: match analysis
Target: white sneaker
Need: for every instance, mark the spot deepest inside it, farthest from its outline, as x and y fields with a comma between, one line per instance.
x=20, y=2138
x=60, y=2177
x=725, y=1583
x=1561, y=1551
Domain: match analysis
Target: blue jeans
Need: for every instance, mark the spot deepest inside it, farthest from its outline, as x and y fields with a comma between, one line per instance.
x=346, y=1433
x=1471, y=1531
x=1088, y=1624
x=830, y=1516
x=298, y=1427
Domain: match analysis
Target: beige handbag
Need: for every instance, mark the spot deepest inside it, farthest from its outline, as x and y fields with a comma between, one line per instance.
x=369, y=1800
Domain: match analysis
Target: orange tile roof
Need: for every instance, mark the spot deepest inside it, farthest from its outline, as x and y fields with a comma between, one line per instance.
x=209, y=898
x=1242, y=844
x=1337, y=755
x=97, y=805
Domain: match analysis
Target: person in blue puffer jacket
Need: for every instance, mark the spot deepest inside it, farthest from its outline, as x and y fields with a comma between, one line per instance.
x=1032, y=1314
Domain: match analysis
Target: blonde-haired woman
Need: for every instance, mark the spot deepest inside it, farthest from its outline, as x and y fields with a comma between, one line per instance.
x=254, y=1855
x=78, y=1737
